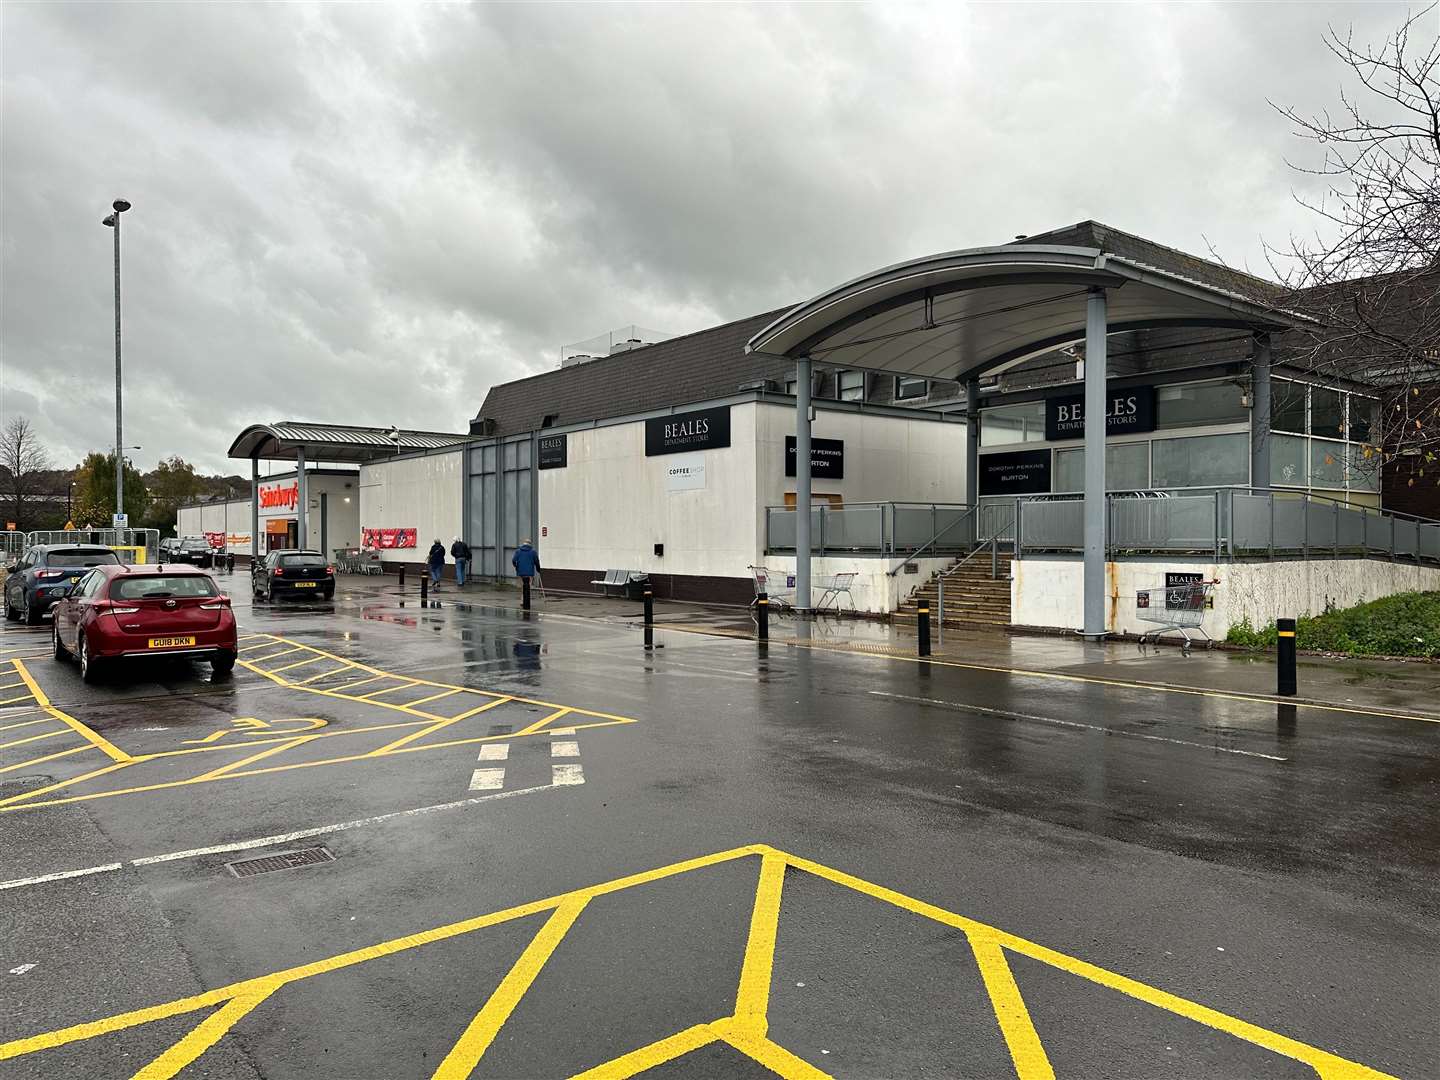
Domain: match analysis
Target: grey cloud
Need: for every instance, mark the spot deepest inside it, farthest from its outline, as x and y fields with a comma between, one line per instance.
x=368, y=214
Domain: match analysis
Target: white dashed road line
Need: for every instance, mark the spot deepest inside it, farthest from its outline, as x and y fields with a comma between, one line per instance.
x=564, y=749
x=497, y=751
x=487, y=780
x=566, y=774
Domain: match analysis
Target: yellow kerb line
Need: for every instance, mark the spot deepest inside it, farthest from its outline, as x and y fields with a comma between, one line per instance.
x=104, y=745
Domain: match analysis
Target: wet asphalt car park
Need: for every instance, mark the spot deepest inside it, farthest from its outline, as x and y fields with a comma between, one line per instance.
x=451, y=840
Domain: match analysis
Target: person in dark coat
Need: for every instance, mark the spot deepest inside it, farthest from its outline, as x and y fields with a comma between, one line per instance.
x=460, y=552
x=436, y=560
x=526, y=561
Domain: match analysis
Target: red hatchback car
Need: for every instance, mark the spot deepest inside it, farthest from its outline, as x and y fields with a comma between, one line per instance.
x=127, y=611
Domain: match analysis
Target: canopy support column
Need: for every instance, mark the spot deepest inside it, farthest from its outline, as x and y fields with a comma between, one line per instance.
x=972, y=451
x=302, y=500
x=802, y=484
x=1094, y=505
x=1260, y=411
x=255, y=552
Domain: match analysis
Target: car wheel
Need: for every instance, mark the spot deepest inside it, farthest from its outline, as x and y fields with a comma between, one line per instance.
x=61, y=653
x=223, y=664
x=89, y=666
x=32, y=614
x=11, y=615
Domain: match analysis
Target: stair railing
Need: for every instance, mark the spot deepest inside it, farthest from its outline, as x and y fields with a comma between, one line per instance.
x=993, y=544
x=971, y=515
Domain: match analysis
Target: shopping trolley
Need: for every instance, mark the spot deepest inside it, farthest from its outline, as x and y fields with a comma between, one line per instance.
x=1175, y=607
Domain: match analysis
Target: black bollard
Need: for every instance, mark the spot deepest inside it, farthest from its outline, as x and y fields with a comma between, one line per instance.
x=402, y=577
x=924, y=628
x=1285, y=657
x=230, y=562
x=649, y=619
x=525, y=593
x=762, y=616
x=424, y=587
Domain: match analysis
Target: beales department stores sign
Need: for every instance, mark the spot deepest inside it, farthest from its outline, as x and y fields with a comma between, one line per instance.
x=679, y=433
x=554, y=452
x=1127, y=411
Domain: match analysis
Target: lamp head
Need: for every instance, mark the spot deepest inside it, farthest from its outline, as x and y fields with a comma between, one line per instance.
x=121, y=205
x=109, y=221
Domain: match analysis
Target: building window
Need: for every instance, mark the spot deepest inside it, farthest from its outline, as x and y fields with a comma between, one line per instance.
x=1287, y=406
x=907, y=387
x=1289, y=461
x=1127, y=468
x=790, y=386
x=1013, y=424
x=1327, y=464
x=1362, y=468
x=1327, y=413
x=850, y=385
x=1364, y=422
x=1202, y=461
x=1199, y=404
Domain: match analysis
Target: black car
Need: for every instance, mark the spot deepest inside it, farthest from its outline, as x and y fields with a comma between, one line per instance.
x=194, y=550
x=41, y=577
x=292, y=573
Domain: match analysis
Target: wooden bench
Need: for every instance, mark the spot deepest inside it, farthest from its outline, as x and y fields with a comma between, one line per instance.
x=618, y=579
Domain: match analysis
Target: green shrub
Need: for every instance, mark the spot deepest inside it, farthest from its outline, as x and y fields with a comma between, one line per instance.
x=1407, y=624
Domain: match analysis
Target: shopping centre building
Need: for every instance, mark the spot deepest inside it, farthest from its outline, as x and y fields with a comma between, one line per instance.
x=942, y=404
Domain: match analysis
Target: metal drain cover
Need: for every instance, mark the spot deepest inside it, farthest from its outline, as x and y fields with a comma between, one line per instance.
x=285, y=860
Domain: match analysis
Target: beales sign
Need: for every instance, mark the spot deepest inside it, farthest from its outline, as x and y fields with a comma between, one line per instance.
x=704, y=429
x=279, y=496
x=1126, y=411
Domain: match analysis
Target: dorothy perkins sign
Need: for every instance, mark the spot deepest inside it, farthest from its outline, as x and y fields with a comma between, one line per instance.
x=1127, y=411
x=678, y=433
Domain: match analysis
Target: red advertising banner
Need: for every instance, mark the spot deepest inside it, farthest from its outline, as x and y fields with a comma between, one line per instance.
x=389, y=538
x=215, y=539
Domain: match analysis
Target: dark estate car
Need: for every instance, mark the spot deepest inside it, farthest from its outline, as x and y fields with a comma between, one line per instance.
x=116, y=612
x=39, y=579
x=292, y=573
x=195, y=550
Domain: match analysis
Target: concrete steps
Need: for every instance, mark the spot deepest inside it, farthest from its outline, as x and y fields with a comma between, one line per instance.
x=972, y=596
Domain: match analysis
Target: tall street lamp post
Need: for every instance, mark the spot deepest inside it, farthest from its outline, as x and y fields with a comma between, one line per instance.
x=113, y=220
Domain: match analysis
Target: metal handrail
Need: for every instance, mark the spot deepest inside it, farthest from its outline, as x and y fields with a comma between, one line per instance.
x=974, y=509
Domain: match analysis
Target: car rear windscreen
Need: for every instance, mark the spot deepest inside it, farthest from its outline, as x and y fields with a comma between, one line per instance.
x=96, y=557
x=195, y=545
x=163, y=586
x=302, y=560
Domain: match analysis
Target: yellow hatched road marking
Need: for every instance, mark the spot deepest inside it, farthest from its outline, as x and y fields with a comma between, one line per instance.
x=27, y=795
x=13, y=700
x=235, y=766
x=339, y=690
x=442, y=722
x=298, y=663
x=47, y=757
x=204, y=1035
x=25, y=723
x=405, y=684
x=324, y=674
x=433, y=697
x=471, y=1046
x=13, y=685
x=104, y=745
x=1031, y=1061
x=34, y=738
x=538, y=724
x=745, y=1030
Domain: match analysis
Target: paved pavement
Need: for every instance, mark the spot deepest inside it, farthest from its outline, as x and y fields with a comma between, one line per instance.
x=503, y=845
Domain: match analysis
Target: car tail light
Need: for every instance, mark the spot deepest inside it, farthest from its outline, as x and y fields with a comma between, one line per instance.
x=49, y=573
x=279, y=571
x=217, y=604
x=105, y=605
x=330, y=570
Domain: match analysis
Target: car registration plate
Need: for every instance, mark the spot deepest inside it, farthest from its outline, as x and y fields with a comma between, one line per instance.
x=305, y=584
x=170, y=642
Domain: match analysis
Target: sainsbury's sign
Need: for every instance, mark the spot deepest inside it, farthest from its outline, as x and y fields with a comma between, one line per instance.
x=280, y=496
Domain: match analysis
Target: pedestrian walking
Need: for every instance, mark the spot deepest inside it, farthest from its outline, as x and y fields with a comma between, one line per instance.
x=460, y=552
x=437, y=563
x=526, y=561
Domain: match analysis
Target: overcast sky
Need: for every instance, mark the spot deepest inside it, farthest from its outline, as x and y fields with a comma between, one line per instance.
x=368, y=214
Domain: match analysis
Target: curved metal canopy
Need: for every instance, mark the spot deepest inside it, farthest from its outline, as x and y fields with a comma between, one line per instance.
x=956, y=315
x=333, y=442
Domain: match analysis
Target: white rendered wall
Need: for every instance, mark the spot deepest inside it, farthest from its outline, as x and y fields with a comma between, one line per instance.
x=211, y=518
x=873, y=591
x=1047, y=591
x=421, y=493
x=610, y=505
